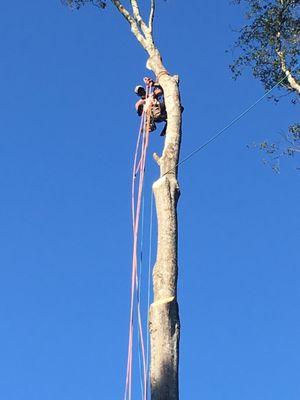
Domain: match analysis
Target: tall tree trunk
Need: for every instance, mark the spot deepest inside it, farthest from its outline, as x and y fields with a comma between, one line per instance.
x=164, y=321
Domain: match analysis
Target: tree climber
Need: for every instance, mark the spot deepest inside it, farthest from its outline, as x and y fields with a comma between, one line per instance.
x=154, y=104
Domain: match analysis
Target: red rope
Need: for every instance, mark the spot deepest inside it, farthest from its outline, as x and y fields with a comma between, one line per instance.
x=138, y=170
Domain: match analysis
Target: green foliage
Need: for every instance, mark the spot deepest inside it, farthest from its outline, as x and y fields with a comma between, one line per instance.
x=287, y=146
x=269, y=40
x=272, y=26
x=78, y=3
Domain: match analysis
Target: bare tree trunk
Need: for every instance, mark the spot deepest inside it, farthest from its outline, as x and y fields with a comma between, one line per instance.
x=164, y=321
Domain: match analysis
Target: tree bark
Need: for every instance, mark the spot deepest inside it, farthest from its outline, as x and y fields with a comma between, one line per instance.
x=292, y=81
x=164, y=323
x=294, y=84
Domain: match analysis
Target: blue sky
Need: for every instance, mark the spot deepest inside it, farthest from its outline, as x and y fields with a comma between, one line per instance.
x=68, y=131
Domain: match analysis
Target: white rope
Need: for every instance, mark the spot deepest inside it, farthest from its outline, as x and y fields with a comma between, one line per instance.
x=139, y=291
x=149, y=287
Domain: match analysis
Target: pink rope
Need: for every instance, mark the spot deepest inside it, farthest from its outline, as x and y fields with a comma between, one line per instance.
x=133, y=274
x=138, y=168
x=141, y=182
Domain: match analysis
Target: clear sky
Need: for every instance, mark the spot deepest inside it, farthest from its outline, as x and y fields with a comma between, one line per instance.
x=68, y=130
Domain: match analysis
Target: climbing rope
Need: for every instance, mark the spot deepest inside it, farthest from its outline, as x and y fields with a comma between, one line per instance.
x=136, y=202
x=139, y=288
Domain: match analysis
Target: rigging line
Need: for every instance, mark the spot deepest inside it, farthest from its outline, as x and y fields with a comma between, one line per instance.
x=142, y=176
x=139, y=287
x=135, y=252
x=135, y=265
x=140, y=325
x=220, y=132
x=149, y=286
x=134, y=169
x=134, y=277
x=130, y=339
x=139, y=280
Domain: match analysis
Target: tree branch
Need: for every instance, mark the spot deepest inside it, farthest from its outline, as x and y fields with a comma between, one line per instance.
x=132, y=22
x=151, y=16
x=294, y=84
x=137, y=16
x=146, y=30
x=135, y=9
